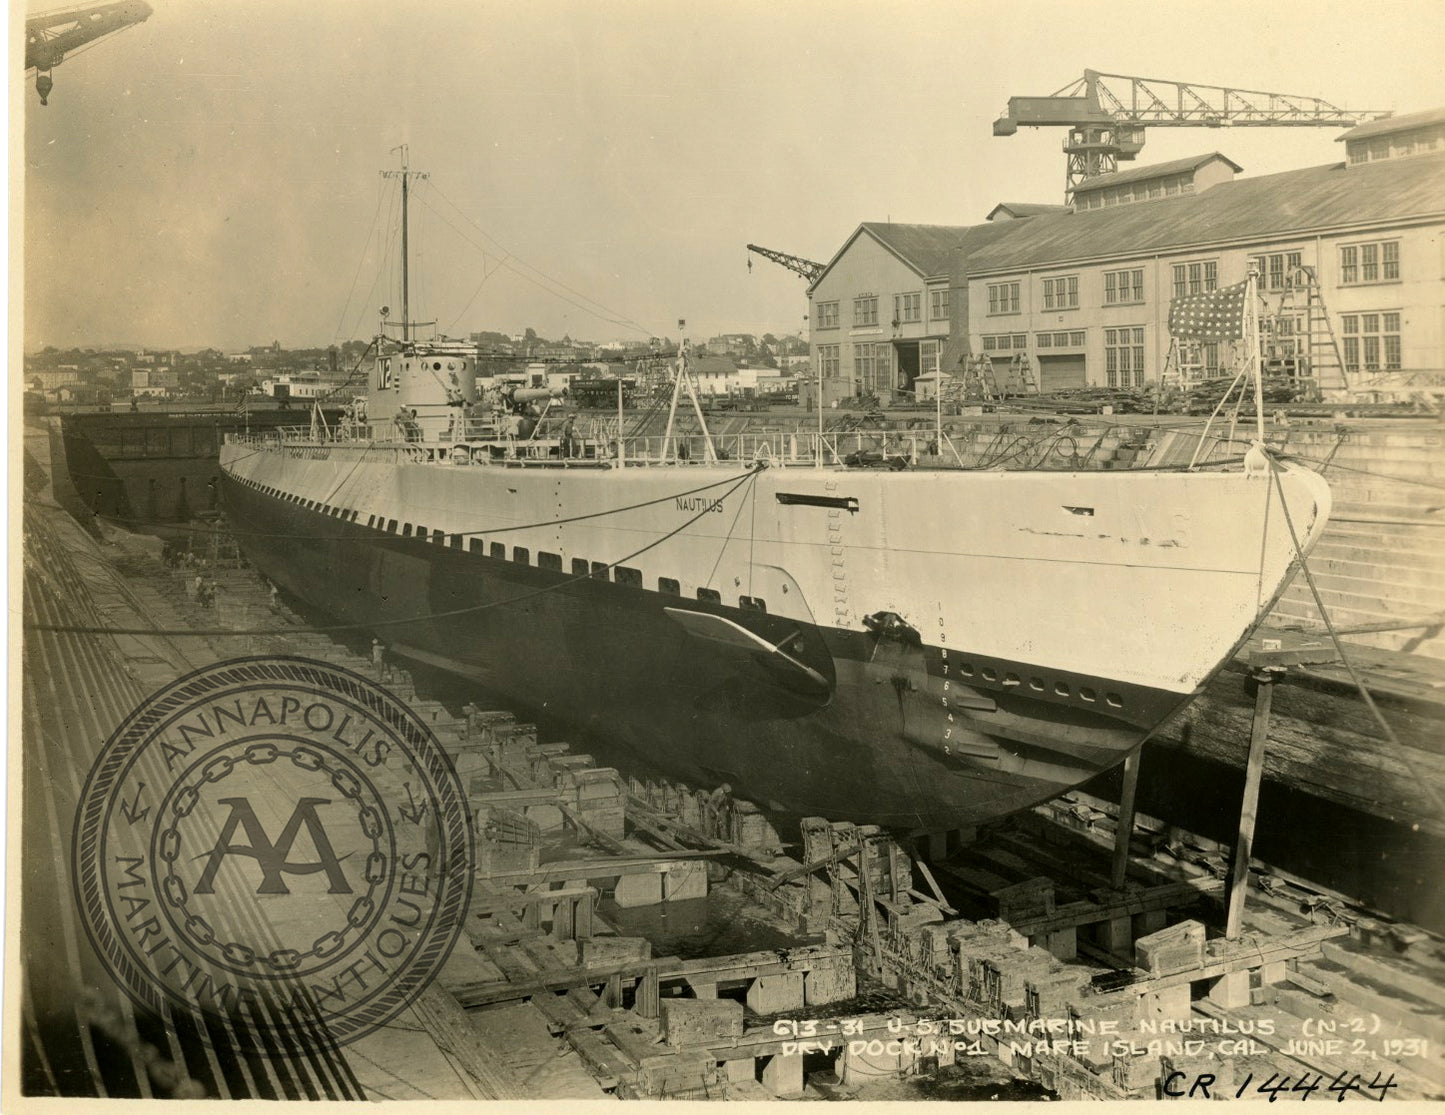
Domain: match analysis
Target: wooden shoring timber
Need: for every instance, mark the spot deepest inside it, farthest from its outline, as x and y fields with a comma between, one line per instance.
x=751, y=965
x=482, y=994
x=483, y=1071
x=733, y=968
x=611, y=843
x=937, y=899
x=1244, y=956
x=1166, y=897
x=601, y=867
x=791, y=873
x=517, y=799
x=642, y=811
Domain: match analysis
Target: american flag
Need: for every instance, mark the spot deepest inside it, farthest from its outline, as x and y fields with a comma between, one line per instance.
x=1215, y=315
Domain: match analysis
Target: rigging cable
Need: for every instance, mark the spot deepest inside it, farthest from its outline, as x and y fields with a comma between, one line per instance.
x=375, y=219
x=229, y=533
x=610, y=316
x=326, y=629
x=556, y=282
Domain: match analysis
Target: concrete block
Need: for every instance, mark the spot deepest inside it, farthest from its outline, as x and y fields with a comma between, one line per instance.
x=1171, y=1002
x=600, y=951
x=1063, y=945
x=548, y=818
x=1277, y=972
x=1049, y=996
x=690, y=1021
x=1151, y=921
x=1175, y=949
x=776, y=994
x=870, y=1063
x=638, y=890
x=1136, y=1073
x=783, y=1076
x=1117, y=935
x=739, y=1072
x=684, y=879
x=752, y=830
x=1033, y=898
x=1230, y=990
x=834, y=983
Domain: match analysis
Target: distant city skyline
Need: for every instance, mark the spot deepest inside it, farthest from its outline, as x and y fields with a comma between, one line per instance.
x=212, y=178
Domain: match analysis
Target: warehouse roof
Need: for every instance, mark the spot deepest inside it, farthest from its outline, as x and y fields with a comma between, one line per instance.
x=1023, y=209
x=927, y=249
x=1272, y=205
x=1154, y=170
x=1392, y=124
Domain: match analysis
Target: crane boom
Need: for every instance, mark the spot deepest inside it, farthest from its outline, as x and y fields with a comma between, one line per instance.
x=1107, y=115
x=49, y=37
x=807, y=268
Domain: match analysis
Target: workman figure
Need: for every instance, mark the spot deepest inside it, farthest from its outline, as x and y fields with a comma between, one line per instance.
x=379, y=660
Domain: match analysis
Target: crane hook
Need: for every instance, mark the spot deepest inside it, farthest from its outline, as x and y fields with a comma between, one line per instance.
x=44, y=83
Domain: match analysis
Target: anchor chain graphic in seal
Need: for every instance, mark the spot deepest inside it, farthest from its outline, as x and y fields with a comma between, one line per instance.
x=274, y=844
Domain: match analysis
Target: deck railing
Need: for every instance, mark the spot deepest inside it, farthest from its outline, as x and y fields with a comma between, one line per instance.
x=1062, y=448
x=487, y=444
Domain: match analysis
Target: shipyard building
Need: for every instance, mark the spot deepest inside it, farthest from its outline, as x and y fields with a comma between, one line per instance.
x=1057, y=297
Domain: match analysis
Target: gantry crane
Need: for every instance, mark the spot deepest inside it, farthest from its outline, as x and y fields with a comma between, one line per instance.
x=49, y=37
x=797, y=264
x=1106, y=115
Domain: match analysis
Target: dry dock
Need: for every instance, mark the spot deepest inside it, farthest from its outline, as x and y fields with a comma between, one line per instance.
x=1062, y=952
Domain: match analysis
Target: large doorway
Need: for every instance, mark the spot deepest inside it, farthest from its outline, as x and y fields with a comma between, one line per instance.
x=906, y=365
x=1005, y=377
x=1059, y=373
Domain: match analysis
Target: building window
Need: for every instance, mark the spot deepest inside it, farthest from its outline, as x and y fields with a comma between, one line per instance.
x=1199, y=361
x=1124, y=356
x=826, y=315
x=1372, y=341
x=865, y=310
x=1072, y=339
x=863, y=364
x=1005, y=342
x=1061, y=293
x=1121, y=287
x=828, y=361
x=938, y=305
x=1195, y=278
x=873, y=366
x=1276, y=271
x=1003, y=298
x=908, y=307
x=1375, y=262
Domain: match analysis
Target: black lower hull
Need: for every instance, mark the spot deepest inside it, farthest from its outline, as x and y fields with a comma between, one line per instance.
x=896, y=739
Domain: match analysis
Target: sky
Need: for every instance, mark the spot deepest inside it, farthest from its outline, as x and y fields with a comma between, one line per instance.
x=212, y=177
